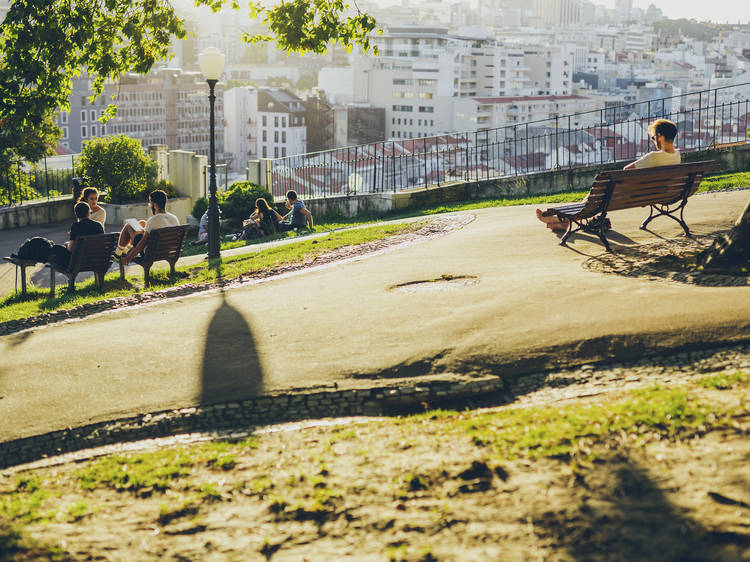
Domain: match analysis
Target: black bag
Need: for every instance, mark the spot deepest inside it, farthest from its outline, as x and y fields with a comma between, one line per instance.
x=59, y=256
x=36, y=248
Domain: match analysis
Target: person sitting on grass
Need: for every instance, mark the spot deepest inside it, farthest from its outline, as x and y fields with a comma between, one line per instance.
x=134, y=235
x=263, y=222
x=90, y=195
x=298, y=215
x=663, y=133
x=84, y=226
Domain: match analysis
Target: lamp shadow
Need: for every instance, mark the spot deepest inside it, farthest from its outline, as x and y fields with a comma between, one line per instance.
x=231, y=368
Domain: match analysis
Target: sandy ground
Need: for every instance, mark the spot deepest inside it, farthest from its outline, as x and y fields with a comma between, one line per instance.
x=383, y=489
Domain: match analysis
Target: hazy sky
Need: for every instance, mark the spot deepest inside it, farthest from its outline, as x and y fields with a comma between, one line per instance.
x=711, y=10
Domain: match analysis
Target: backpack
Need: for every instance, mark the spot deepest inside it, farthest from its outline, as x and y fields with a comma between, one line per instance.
x=36, y=248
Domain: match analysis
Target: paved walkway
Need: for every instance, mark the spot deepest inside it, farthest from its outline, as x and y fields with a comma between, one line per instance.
x=532, y=307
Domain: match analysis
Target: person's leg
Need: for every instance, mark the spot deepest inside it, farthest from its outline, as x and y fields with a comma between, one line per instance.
x=552, y=222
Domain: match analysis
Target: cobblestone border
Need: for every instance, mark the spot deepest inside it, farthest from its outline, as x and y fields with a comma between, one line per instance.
x=433, y=227
x=236, y=418
x=259, y=411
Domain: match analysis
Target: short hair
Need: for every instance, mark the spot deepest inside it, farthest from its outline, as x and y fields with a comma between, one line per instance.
x=82, y=210
x=291, y=195
x=158, y=198
x=663, y=127
x=86, y=193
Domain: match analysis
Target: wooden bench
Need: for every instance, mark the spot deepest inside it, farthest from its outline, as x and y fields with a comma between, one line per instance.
x=90, y=253
x=22, y=265
x=665, y=189
x=164, y=244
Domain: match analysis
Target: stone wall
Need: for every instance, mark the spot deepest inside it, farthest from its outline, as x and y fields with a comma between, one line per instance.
x=40, y=211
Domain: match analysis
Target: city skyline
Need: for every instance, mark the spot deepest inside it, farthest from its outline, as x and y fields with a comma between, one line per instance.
x=720, y=11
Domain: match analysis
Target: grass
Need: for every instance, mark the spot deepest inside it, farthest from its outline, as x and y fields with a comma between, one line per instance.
x=38, y=302
x=572, y=434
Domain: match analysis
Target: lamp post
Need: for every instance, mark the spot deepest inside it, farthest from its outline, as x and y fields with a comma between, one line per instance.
x=212, y=64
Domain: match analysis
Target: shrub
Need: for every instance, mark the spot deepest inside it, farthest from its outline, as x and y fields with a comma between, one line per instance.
x=199, y=207
x=119, y=165
x=239, y=200
x=15, y=186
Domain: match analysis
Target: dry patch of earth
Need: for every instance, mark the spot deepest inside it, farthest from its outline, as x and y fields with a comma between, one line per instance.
x=657, y=473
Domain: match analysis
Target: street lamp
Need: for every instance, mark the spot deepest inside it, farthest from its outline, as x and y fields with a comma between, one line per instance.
x=212, y=64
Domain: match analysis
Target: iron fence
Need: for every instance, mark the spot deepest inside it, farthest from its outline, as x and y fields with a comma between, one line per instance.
x=22, y=182
x=707, y=118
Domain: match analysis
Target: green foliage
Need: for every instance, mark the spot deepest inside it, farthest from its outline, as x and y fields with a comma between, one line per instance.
x=155, y=470
x=199, y=207
x=16, y=187
x=119, y=165
x=238, y=201
x=47, y=43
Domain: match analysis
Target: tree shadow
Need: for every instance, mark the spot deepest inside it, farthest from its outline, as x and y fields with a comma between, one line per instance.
x=625, y=516
x=231, y=367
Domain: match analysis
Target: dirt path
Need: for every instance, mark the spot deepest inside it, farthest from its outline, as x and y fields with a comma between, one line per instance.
x=385, y=489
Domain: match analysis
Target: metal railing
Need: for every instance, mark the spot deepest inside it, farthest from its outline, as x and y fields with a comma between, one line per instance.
x=22, y=182
x=704, y=119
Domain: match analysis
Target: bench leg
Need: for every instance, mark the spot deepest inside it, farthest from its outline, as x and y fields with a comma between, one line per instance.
x=72, y=284
x=99, y=280
x=664, y=211
x=172, y=270
x=23, y=280
x=122, y=272
x=146, y=278
x=52, y=281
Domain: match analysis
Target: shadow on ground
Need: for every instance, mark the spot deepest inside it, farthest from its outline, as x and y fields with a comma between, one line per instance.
x=666, y=259
x=231, y=368
x=624, y=515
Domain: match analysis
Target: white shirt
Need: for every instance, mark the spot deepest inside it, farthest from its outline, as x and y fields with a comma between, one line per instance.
x=161, y=220
x=658, y=158
x=99, y=215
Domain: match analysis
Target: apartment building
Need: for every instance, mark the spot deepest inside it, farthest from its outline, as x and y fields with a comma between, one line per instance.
x=167, y=106
x=263, y=123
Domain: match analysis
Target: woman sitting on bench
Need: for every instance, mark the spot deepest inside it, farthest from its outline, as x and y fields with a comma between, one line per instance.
x=663, y=133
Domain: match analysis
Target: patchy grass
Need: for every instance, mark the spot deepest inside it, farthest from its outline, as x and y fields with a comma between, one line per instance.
x=38, y=302
x=292, y=485
x=725, y=181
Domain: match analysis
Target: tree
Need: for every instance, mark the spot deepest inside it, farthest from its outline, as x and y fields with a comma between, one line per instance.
x=731, y=250
x=119, y=165
x=45, y=43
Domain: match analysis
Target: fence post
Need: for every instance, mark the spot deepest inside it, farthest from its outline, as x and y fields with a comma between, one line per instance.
x=46, y=177
x=716, y=92
x=557, y=141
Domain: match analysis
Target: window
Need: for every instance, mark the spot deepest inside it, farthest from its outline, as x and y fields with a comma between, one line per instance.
x=275, y=120
x=93, y=130
x=275, y=151
x=265, y=123
x=402, y=82
x=265, y=135
x=265, y=152
x=425, y=95
x=283, y=136
x=65, y=132
x=402, y=108
x=275, y=136
x=419, y=122
x=83, y=132
x=426, y=109
x=83, y=101
x=63, y=117
x=411, y=122
x=283, y=121
x=83, y=116
x=399, y=120
x=427, y=82
x=393, y=120
x=283, y=152
x=92, y=115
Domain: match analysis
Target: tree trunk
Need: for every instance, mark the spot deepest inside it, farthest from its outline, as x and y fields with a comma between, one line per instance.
x=732, y=249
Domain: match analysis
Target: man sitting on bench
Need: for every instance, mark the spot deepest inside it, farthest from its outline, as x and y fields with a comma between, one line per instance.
x=663, y=133
x=135, y=233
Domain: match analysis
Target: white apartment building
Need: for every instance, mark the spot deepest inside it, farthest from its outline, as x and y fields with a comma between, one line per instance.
x=263, y=123
x=472, y=114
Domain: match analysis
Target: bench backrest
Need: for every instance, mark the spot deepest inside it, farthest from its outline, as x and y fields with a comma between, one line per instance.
x=93, y=253
x=165, y=243
x=626, y=189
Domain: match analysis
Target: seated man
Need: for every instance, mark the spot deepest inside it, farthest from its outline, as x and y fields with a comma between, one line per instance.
x=135, y=233
x=298, y=215
x=84, y=226
x=663, y=133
